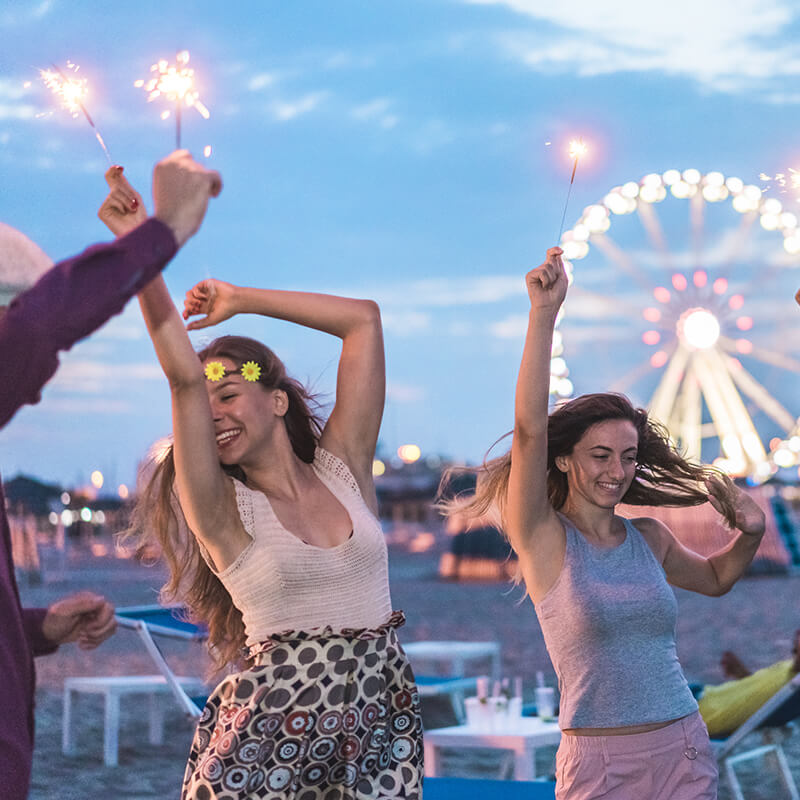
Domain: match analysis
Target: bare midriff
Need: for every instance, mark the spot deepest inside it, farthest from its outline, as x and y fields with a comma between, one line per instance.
x=626, y=730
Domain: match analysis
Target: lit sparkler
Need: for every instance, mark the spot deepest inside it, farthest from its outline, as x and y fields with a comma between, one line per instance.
x=174, y=82
x=72, y=91
x=576, y=149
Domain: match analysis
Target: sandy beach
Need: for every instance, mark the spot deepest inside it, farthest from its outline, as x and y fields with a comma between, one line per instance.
x=756, y=619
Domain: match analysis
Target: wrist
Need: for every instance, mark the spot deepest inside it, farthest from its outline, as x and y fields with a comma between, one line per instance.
x=179, y=232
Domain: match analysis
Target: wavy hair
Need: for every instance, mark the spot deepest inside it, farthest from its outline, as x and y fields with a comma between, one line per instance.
x=158, y=526
x=663, y=477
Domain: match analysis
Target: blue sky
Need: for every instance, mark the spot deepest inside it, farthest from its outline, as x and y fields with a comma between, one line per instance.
x=397, y=150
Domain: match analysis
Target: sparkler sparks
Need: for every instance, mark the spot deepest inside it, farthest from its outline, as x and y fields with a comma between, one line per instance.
x=72, y=91
x=785, y=182
x=174, y=82
x=577, y=148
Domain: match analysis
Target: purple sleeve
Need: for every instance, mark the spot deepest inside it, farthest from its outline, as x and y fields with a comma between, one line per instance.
x=32, y=619
x=69, y=302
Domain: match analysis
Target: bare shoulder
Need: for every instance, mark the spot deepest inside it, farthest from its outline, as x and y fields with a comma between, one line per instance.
x=657, y=535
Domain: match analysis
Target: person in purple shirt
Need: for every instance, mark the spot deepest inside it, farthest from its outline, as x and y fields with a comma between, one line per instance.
x=66, y=304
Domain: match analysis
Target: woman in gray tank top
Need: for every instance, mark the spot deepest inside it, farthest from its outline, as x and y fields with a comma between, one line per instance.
x=599, y=582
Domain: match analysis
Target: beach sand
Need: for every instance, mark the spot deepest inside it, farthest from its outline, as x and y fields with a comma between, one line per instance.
x=756, y=620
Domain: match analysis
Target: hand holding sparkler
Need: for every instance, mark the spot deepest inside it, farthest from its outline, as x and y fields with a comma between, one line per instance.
x=123, y=209
x=181, y=188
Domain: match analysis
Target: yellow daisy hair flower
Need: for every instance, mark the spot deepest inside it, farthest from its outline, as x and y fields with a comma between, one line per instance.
x=214, y=371
x=251, y=371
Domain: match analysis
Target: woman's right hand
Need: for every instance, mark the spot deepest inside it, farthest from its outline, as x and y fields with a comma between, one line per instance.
x=211, y=297
x=547, y=284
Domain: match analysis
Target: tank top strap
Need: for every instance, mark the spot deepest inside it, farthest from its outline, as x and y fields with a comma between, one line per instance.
x=332, y=468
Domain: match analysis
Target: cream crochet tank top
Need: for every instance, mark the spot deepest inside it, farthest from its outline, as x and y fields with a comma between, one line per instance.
x=280, y=583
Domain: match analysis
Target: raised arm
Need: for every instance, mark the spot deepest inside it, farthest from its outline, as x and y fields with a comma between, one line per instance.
x=715, y=574
x=207, y=497
x=352, y=429
x=531, y=524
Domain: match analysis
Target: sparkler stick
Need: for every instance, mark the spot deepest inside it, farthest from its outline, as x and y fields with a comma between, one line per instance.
x=71, y=91
x=576, y=149
x=176, y=84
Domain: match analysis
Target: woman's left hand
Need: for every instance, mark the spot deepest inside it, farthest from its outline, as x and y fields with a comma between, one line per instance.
x=123, y=209
x=750, y=519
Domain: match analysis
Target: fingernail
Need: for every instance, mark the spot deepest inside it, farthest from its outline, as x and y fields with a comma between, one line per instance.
x=134, y=203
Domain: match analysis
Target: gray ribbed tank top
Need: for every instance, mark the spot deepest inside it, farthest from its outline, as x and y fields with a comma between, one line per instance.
x=609, y=626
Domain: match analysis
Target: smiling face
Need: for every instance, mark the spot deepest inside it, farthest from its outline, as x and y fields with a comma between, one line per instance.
x=245, y=414
x=602, y=464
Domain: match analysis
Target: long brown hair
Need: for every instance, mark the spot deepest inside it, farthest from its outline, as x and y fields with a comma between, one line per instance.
x=663, y=476
x=158, y=523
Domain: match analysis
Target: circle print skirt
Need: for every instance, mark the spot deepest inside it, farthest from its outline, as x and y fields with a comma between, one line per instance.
x=322, y=715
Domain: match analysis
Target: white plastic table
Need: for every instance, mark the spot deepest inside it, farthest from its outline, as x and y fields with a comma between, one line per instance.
x=112, y=689
x=522, y=736
x=456, y=655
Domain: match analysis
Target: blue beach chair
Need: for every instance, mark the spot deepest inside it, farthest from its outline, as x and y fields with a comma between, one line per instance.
x=776, y=721
x=168, y=622
x=479, y=789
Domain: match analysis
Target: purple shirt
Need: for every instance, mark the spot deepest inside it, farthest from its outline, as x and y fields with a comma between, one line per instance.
x=68, y=303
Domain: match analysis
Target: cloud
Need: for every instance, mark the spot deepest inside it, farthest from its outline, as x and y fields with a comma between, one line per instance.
x=97, y=377
x=261, y=81
x=11, y=17
x=404, y=393
x=284, y=111
x=406, y=323
x=512, y=327
x=376, y=111
x=727, y=45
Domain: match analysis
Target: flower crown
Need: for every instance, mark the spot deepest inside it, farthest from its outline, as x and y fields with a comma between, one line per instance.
x=215, y=371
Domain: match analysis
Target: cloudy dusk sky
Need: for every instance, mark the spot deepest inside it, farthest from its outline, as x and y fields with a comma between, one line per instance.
x=414, y=152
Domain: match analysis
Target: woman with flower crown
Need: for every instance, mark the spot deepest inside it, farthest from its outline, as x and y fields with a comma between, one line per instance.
x=286, y=562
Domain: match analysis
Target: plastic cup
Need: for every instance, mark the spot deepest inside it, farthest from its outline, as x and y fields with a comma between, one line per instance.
x=545, y=703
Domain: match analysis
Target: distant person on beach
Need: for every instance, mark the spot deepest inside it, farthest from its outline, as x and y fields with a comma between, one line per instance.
x=599, y=583
x=287, y=564
x=38, y=320
x=726, y=706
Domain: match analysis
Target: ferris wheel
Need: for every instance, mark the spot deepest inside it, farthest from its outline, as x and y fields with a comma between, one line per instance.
x=691, y=304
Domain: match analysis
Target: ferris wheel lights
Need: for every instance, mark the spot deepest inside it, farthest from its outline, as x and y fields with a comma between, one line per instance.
x=658, y=359
x=651, y=337
x=744, y=323
x=692, y=176
x=652, y=180
x=715, y=194
x=784, y=457
x=791, y=244
x=661, y=294
x=699, y=328
x=732, y=447
x=794, y=444
x=769, y=222
x=558, y=367
x=714, y=179
x=679, y=281
x=580, y=233
x=736, y=301
x=651, y=314
x=735, y=185
x=630, y=190
x=720, y=286
x=742, y=204
x=788, y=220
x=617, y=203
x=682, y=190
x=771, y=206
x=744, y=346
x=700, y=278
x=671, y=176
x=575, y=250
x=652, y=193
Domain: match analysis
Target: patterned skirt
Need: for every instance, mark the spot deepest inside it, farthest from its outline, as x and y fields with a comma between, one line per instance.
x=323, y=715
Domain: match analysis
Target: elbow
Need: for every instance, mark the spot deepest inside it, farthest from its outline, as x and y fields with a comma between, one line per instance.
x=369, y=313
